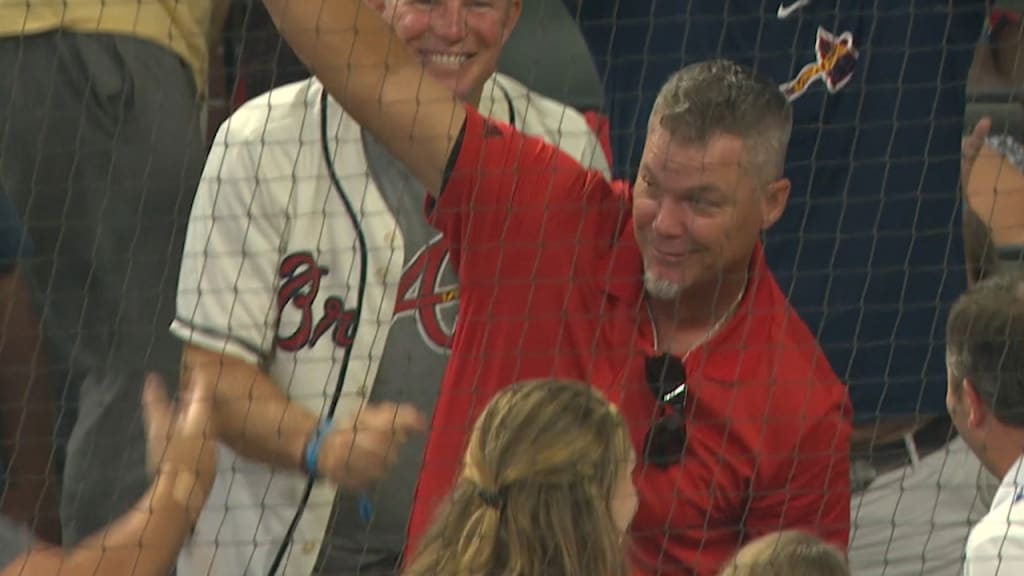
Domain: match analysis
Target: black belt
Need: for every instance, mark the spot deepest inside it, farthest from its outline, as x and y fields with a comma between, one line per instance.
x=896, y=454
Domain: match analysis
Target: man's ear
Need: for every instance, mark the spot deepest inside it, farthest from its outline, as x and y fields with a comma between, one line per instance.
x=773, y=202
x=977, y=411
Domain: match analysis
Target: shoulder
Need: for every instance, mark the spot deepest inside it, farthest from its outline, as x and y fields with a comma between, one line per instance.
x=996, y=543
x=283, y=114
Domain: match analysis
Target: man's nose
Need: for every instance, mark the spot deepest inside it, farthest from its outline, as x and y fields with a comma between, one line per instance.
x=671, y=219
x=448, y=20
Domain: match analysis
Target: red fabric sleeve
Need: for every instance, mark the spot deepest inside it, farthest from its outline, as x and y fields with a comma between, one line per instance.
x=506, y=191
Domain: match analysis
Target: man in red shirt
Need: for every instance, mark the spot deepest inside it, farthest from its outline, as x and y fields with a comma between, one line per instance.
x=660, y=296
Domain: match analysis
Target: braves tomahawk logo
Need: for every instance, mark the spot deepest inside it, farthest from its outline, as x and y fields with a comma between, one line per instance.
x=301, y=275
x=835, y=60
x=429, y=291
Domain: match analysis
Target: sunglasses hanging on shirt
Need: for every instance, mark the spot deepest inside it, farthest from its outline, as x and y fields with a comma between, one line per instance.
x=666, y=439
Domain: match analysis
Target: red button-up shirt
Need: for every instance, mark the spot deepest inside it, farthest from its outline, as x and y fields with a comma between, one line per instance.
x=551, y=285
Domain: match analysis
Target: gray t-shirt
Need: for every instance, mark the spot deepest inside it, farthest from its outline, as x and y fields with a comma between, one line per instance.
x=14, y=541
x=411, y=370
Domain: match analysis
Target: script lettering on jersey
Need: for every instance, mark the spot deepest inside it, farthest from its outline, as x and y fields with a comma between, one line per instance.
x=835, y=60
x=429, y=294
x=299, y=290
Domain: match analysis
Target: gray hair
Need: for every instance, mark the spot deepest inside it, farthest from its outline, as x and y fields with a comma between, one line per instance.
x=716, y=97
x=985, y=344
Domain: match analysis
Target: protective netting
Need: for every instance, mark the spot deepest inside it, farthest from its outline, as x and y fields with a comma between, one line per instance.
x=101, y=151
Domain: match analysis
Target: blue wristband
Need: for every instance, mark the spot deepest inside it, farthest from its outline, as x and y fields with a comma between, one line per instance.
x=313, y=449
x=365, y=508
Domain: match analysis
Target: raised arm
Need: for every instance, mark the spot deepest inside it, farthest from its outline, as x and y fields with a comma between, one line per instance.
x=364, y=66
x=146, y=539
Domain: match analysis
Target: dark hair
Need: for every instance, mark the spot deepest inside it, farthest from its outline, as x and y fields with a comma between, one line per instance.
x=985, y=344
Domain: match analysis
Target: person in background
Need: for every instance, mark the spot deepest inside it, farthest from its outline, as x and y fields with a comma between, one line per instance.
x=994, y=199
x=100, y=111
x=270, y=304
x=985, y=339
x=788, y=553
x=145, y=540
x=546, y=487
x=865, y=252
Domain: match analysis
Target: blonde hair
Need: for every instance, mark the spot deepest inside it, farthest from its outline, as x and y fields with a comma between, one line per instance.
x=788, y=553
x=534, y=496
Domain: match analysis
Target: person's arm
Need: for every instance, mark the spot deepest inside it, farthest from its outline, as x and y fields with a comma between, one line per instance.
x=1005, y=42
x=992, y=173
x=255, y=418
x=227, y=314
x=810, y=489
x=146, y=539
x=366, y=68
x=494, y=187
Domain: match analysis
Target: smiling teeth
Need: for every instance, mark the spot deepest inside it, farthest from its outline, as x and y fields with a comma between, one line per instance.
x=448, y=59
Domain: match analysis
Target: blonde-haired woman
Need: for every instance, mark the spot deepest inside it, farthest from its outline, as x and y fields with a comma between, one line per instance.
x=546, y=488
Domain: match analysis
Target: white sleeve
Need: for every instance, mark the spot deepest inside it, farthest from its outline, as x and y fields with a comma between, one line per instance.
x=994, y=553
x=228, y=275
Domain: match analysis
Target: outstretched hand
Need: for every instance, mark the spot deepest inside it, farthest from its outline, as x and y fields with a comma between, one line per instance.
x=993, y=188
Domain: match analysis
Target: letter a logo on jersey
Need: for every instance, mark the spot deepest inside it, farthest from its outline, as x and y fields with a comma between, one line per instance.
x=835, y=60
x=429, y=291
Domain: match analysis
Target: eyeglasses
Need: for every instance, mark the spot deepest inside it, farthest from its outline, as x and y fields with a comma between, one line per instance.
x=666, y=440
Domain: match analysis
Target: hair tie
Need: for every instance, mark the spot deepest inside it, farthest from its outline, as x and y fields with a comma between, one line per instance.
x=491, y=498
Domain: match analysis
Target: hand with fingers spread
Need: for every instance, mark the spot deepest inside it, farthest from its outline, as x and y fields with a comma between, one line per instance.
x=181, y=445
x=363, y=450
x=146, y=540
x=994, y=185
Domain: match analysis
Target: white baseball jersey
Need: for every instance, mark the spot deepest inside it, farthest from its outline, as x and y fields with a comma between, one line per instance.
x=270, y=275
x=996, y=544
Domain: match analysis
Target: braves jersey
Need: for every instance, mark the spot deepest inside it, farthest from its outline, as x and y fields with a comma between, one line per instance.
x=869, y=248
x=270, y=275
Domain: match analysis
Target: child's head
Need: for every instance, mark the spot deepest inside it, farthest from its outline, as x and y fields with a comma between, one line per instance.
x=545, y=488
x=788, y=553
